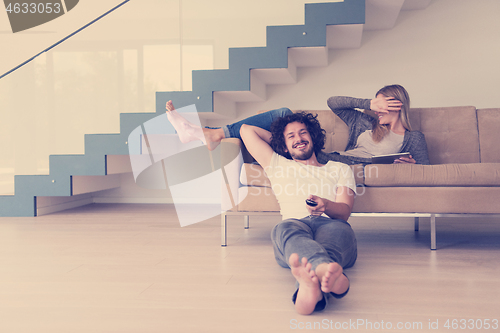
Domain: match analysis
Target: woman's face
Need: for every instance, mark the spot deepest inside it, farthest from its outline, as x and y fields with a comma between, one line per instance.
x=390, y=117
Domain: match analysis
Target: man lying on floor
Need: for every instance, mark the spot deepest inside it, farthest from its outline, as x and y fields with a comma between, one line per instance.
x=313, y=239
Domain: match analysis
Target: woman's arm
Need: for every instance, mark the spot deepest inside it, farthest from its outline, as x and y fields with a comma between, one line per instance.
x=345, y=109
x=344, y=103
x=414, y=143
x=358, y=122
x=338, y=104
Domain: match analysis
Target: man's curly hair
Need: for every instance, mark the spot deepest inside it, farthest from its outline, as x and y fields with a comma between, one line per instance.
x=313, y=127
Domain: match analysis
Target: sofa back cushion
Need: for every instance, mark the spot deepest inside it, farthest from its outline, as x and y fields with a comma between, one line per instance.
x=337, y=132
x=451, y=133
x=489, y=135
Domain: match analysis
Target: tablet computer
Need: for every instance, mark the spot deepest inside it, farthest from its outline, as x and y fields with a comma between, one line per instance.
x=389, y=158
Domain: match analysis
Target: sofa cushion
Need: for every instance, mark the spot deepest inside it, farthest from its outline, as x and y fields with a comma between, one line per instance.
x=489, y=134
x=451, y=133
x=474, y=174
x=337, y=132
x=455, y=200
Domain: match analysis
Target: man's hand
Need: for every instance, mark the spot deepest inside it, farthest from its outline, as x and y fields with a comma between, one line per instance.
x=317, y=210
x=340, y=209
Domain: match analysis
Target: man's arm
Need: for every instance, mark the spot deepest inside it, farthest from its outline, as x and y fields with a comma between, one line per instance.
x=257, y=141
x=340, y=209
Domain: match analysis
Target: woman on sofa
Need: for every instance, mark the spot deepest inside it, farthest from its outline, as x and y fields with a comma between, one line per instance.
x=389, y=133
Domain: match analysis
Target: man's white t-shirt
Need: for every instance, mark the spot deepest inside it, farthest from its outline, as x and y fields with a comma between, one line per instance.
x=292, y=182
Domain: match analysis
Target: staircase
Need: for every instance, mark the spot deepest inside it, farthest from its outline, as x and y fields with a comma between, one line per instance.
x=328, y=26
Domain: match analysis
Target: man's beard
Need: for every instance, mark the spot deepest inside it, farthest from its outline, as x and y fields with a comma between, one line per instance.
x=302, y=155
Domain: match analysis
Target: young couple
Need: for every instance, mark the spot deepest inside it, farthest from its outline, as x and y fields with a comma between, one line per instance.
x=389, y=133
x=315, y=241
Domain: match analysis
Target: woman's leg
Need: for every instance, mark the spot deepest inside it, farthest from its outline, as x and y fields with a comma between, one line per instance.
x=211, y=136
x=187, y=131
x=262, y=120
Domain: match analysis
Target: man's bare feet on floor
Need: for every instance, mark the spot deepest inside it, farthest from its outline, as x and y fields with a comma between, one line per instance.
x=326, y=278
x=309, y=287
x=331, y=278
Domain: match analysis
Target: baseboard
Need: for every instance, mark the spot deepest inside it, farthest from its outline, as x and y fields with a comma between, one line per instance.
x=131, y=200
x=138, y=200
x=49, y=205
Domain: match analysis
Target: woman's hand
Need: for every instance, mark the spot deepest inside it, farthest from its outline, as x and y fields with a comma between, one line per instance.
x=317, y=210
x=405, y=160
x=385, y=104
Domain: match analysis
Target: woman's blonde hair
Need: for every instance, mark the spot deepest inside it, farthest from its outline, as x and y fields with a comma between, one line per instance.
x=398, y=92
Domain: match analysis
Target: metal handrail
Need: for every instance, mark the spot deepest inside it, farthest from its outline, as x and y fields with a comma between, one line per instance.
x=64, y=39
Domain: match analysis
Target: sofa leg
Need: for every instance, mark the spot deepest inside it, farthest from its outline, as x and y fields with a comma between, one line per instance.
x=223, y=229
x=246, y=219
x=416, y=223
x=433, y=231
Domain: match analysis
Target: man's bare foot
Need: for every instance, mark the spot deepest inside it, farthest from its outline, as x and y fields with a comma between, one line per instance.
x=309, y=288
x=189, y=132
x=331, y=278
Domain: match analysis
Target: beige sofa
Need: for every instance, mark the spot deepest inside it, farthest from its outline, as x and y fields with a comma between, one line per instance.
x=463, y=178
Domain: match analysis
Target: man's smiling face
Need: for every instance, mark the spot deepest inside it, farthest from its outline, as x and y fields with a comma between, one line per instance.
x=298, y=141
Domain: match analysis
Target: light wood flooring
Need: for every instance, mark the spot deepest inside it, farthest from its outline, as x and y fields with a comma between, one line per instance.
x=132, y=268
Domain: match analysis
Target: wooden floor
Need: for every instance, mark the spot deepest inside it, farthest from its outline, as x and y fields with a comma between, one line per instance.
x=132, y=268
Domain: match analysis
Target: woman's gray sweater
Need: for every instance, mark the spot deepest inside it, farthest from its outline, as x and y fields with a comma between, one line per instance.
x=359, y=122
